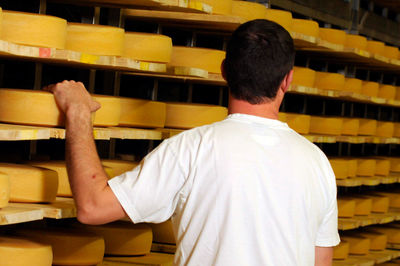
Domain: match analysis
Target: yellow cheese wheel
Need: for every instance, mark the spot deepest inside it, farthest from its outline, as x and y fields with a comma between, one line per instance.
x=394, y=198
x=391, y=52
x=396, y=132
x=248, y=10
x=207, y=59
x=223, y=7
x=282, y=117
x=184, y=115
x=95, y=39
x=30, y=184
x=124, y=238
x=148, y=47
x=363, y=205
x=370, y=88
x=359, y=245
x=366, y=167
x=356, y=41
x=298, y=122
x=1, y=21
x=306, y=27
x=29, y=107
x=283, y=18
x=397, y=97
x=341, y=251
x=333, y=35
x=375, y=47
x=378, y=240
x=119, y=166
x=4, y=190
x=382, y=167
x=384, y=129
x=33, y=29
x=394, y=164
x=367, y=127
x=340, y=167
x=350, y=126
x=326, y=125
x=352, y=85
x=380, y=203
x=142, y=113
x=353, y=165
x=70, y=247
x=392, y=233
x=110, y=111
x=387, y=92
x=346, y=208
x=329, y=81
x=303, y=76
x=163, y=233
x=23, y=252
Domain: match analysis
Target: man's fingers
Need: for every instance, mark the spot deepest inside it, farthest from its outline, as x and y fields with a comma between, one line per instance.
x=95, y=106
x=49, y=88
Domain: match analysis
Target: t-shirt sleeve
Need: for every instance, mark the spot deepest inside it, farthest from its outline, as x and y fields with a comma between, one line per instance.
x=151, y=191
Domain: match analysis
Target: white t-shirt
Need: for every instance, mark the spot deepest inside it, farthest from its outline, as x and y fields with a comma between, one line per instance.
x=243, y=191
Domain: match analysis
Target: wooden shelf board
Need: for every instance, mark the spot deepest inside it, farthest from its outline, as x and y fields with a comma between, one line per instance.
x=136, y=133
x=374, y=257
x=152, y=259
x=60, y=209
x=14, y=214
x=373, y=218
x=11, y=132
x=163, y=248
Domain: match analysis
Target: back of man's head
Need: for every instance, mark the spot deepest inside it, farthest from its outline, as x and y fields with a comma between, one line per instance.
x=259, y=55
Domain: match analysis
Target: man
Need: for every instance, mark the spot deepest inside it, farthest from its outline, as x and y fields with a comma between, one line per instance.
x=244, y=191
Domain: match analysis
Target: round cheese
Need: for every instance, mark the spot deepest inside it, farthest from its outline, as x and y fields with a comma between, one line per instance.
x=148, y=47
x=333, y=35
x=375, y=47
x=363, y=206
x=95, y=39
x=23, y=252
x=33, y=29
x=341, y=251
x=329, y=81
x=366, y=167
x=382, y=167
x=298, y=122
x=283, y=18
x=356, y=41
x=394, y=198
x=1, y=21
x=326, y=125
x=387, y=92
x=248, y=10
x=353, y=164
x=396, y=132
x=380, y=203
x=306, y=27
x=142, y=113
x=346, y=208
x=110, y=111
x=185, y=115
x=30, y=184
x=359, y=245
x=207, y=59
x=350, y=126
x=394, y=164
x=282, y=117
x=384, y=129
x=367, y=127
x=223, y=7
x=163, y=233
x=391, y=52
x=119, y=166
x=303, y=76
x=4, y=190
x=352, y=85
x=392, y=233
x=340, y=167
x=378, y=240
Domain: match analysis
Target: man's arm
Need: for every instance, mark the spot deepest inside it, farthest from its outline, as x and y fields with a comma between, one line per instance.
x=94, y=199
x=323, y=256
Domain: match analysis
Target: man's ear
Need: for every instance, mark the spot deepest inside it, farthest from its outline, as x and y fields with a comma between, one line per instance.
x=223, y=69
x=287, y=80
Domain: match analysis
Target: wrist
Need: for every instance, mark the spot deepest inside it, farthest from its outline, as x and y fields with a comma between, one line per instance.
x=78, y=114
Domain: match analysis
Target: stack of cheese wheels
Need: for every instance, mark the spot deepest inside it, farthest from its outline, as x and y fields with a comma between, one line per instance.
x=23, y=252
x=4, y=190
x=350, y=126
x=70, y=247
x=370, y=88
x=346, y=208
x=326, y=125
x=95, y=39
x=163, y=233
x=375, y=47
x=340, y=167
x=391, y=52
x=207, y=59
x=119, y=166
x=248, y=10
x=392, y=231
x=148, y=47
x=33, y=29
x=367, y=127
x=356, y=41
x=306, y=27
x=378, y=240
x=30, y=184
x=329, y=81
x=283, y=18
x=359, y=245
x=124, y=238
x=333, y=36
x=384, y=129
x=380, y=203
x=387, y=92
x=341, y=251
x=366, y=167
x=110, y=111
x=185, y=115
x=142, y=113
x=298, y=122
x=303, y=76
x=352, y=85
x=223, y=7
x=382, y=167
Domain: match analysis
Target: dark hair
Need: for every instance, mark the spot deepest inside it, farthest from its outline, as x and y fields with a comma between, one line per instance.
x=259, y=55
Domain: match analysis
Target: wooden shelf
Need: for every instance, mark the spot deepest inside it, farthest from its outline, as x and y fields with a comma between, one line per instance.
x=374, y=257
x=374, y=218
x=152, y=259
x=17, y=132
x=15, y=214
x=163, y=248
x=368, y=181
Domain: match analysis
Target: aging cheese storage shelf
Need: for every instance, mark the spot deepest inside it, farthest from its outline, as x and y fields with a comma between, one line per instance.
x=374, y=257
x=375, y=218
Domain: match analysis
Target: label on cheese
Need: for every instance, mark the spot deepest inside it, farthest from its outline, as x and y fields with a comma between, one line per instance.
x=306, y=27
x=33, y=29
x=119, y=166
x=356, y=41
x=333, y=35
x=110, y=111
x=4, y=190
x=329, y=81
x=303, y=76
x=163, y=233
x=326, y=125
x=283, y=18
x=248, y=10
x=223, y=7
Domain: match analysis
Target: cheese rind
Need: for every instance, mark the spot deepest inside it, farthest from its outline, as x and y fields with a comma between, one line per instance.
x=333, y=35
x=283, y=18
x=1, y=20
x=382, y=167
x=363, y=205
x=375, y=47
x=346, y=208
x=352, y=85
x=33, y=29
x=326, y=125
x=396, y=132
x=298, y=122
x=380, y=203
x=390, y=52
x=359, y=245
x=4, y=190
x=356, y=41
x=366, y=167
x=110, y=111
x=370, y=88
x=341, y=251
x=163, y=232
x=378, y=240
x=340, y=167
x=248, y=10
x=367, y=127
x=394, y=198
x=353, y=164
x=306, y=27
x=350, y=126
x=392, y=233
x=303, y=76
x=387, y=92
x=223, y=7
x=329, y=81
x=119, y=166
x=384, y=129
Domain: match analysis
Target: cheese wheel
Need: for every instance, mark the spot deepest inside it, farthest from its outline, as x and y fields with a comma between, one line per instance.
x=394, y=198
x=184, y=115
x=363, y=205
x=282, y=117
x=283, y=18
x=119, y=166
x=359, y=245
x=367, y=127
x=29, y=107
x=326, y=125
x=33, y=29
x=306, y=27
x=396, y=132
x=390, y=52
x=163, y=233
x=387, y=92
x=352, y=85
x=23, y=252
x=142, y=113
x=341, y=251
x=382, y=167
x=333, y=35
x=223, y=7
x=392, y=233
x=30, y=184
x=394, y=164
x=353, y=165
x=350, y=126
x=298, y=122
x=110, y=111
x=4, y=190
x=384, y=129
x=303, y=76
x=329, y=81
x=248, y=10
x=70, y=247
x=148, y=47
x=366, y=167
x=207, y=59
x=346, y=208
x=356, y=41
x=95, y=39
x=1, y=21
x=378, y=240
x=340, y=167
x=375, y=47
x=380, y=203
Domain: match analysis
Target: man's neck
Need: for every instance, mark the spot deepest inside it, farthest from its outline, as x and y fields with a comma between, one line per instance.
x=268, y=109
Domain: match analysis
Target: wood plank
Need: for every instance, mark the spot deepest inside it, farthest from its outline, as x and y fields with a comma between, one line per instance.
x=17, y=132
x=15, y=214
x=61, y=208
x=354, y=261
x=136, y=133
x=163, y=248
x=152, y=259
